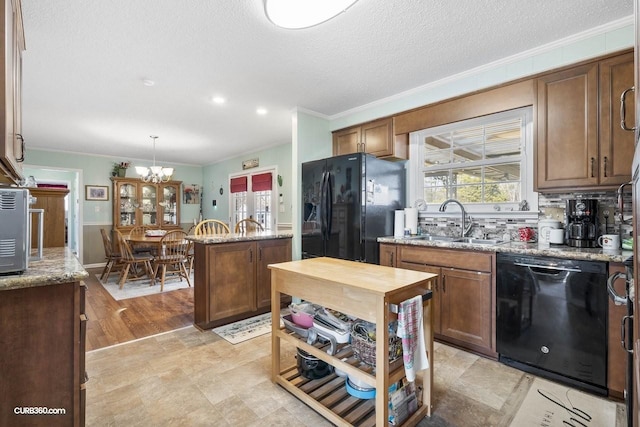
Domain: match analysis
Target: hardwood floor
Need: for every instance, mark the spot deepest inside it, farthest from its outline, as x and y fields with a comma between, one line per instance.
x=113, y=322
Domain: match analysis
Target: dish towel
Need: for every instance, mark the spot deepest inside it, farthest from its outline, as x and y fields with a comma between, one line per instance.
x=411, y=331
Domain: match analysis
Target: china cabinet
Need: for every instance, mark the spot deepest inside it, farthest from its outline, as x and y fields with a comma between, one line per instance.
x=146, y=204
x=368, y=292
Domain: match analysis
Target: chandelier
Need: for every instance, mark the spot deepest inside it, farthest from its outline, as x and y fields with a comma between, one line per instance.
x=154, y=174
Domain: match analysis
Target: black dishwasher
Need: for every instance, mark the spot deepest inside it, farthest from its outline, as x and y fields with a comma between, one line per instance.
x=552, y=318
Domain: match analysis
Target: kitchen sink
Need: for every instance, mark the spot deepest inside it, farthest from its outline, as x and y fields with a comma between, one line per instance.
x=436, y=238
x=475, y=241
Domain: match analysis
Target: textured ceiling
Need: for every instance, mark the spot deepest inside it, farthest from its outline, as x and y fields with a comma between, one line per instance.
x=86, y=60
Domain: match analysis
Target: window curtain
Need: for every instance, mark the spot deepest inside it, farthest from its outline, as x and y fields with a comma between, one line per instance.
x=261, y=182
x=239, y=184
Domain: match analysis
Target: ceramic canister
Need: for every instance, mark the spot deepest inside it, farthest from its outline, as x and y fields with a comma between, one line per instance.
x=544, y=229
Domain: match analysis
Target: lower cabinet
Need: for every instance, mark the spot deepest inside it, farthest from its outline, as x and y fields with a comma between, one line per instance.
x=232, y=280
x=617, y=356
x=42, y=331
x=463, y=294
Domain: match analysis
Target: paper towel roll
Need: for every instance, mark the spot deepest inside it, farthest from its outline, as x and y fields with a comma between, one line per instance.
x=411, y=220
x=398, y=225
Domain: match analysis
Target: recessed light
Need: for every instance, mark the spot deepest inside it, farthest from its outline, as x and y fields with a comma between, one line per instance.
x=219, y=100
x=148, y=82
x=261, y=111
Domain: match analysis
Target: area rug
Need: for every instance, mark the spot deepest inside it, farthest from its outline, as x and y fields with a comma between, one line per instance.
x=246, y=329
x=140, y=288
x=550, y=404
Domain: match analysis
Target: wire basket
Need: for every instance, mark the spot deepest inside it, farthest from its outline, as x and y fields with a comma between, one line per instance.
x=364, y=347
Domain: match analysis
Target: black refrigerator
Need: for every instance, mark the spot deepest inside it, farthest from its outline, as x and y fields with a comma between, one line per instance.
x=347, y=203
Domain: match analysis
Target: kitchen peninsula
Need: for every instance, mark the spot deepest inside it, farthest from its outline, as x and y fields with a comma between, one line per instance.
x=231, y=278
x=42, y=331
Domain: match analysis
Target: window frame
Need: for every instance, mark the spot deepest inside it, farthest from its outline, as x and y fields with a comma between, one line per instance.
x=416, y=169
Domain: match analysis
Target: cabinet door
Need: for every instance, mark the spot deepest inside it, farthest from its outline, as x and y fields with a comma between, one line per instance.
x=616, y=144
x=388, y=255
x=125, y=203
x=170, y=204
x=269, y=252
x=617, y=356
x=465, y=308
x=567, y=128
x=377, y=137
x=437, y=289
x=149, y=205
x=232, y=280
x=346, y=141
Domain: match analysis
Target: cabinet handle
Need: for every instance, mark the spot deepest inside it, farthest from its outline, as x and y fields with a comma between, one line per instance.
x=593, y=162
x=444, y=283
x=391, y=259
x=605, y=166
x=623, y=123
x=260, y=254
x=21, y=158
x=250, y=255
x=623, y=334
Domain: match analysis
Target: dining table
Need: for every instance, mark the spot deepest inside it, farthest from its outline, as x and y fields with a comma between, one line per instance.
x=144, y=241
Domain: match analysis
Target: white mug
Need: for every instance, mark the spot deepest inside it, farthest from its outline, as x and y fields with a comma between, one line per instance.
x=609, y=241
x=556, y=236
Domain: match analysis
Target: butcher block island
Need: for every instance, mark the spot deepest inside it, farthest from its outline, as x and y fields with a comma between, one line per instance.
x=231, y=278
x=370, y=293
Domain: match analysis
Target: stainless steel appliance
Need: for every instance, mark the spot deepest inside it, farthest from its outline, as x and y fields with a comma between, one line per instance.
x=14, y=230
x=626, y=328
x=582, y=223
x=552, y=318
x=348, y=202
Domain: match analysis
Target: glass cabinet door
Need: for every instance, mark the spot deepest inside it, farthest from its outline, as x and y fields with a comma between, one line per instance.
x=127, y=198
x=169, y=204
x=149, y=204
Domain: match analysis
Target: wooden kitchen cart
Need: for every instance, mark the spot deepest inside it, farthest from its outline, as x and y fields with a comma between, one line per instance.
x=369, y=292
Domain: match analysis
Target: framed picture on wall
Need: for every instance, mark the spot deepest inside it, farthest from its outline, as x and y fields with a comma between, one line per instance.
x=96, y=192
x=191, y=194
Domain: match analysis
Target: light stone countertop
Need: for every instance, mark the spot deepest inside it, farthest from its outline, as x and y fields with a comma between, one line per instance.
x=58, y=265
x=560, y=251
x=240, y=237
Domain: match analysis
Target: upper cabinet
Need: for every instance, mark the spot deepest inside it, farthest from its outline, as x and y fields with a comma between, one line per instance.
x=144, y=203
x=11, y=142
x=374, y=137
x=580, y=144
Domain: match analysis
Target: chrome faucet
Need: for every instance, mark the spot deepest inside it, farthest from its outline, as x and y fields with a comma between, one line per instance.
x=463, y=225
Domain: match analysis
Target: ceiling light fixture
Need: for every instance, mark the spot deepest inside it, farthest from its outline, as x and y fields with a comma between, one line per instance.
x=155, y=174
x=261, y=111
x=297, y=14
x=219, y=100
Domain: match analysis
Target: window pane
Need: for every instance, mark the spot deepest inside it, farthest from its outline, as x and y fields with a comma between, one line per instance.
x=435, y=187
x=468, y=193
x=437, y=150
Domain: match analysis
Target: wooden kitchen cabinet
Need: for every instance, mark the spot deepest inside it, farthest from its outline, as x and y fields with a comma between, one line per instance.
x=143, y=203
x=232, y=280
x=580, y=144
x=43, y=331
x=617, y=356
x=11, y=141
x=374, y=137
x=51, y=200
x=270, y=252
x=463, y=292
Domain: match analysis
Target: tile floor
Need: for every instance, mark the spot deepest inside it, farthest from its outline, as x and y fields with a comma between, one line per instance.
x=192, y=378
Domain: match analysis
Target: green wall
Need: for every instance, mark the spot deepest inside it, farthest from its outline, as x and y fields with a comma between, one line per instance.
x=217, y=175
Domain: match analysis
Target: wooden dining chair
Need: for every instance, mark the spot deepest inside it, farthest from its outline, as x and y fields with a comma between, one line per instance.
x=112, y=256
x=173, y=256
x=140, y=230
x=129, y=259
x=211, y=227
x=248, y=225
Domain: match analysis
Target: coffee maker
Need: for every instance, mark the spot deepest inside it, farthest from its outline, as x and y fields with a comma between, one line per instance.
x=582, y=223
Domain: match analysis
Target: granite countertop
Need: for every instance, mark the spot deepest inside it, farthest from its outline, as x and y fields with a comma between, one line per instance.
x=560, y=251
x=58, y=265
x=240, y=237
